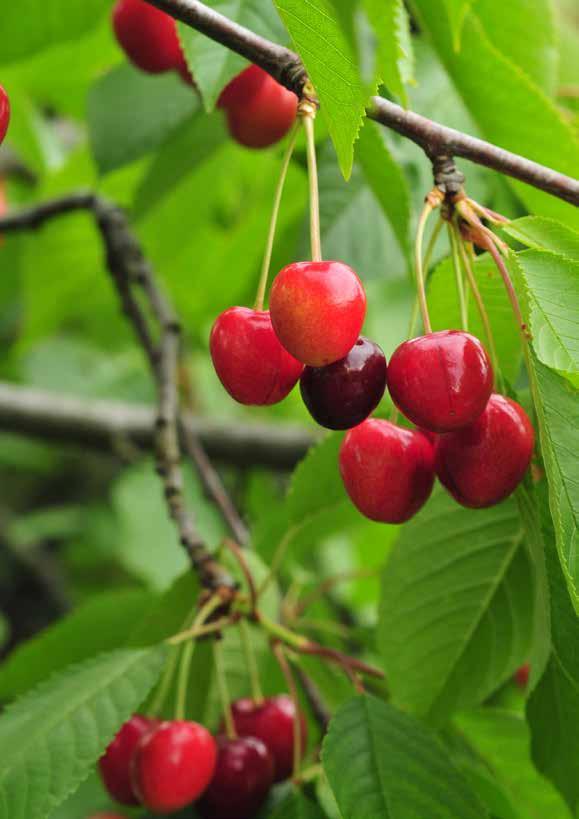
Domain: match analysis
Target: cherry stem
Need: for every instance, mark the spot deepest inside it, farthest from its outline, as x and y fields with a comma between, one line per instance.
x=307, y=115
x=223, y=689
x=165, y=684
x=280, y=656
x=278, y=557
x=187, y=655
x=240, y=557
x=252, y=667
x=426, y=265
x=487, y=213
x=456, y=264
x=420, y=284
x=266, y=264
x=511, y=292
x=203, y=631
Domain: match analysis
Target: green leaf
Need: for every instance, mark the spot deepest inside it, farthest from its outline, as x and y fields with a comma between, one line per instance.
x=316, y=481
x=297, y=806
x=546, y=136
x=381, y=763
x=97, y=626
x=394, y=54
x=386, y=180
x=57, y=732
x=557, y=410
x=545, y=234
x=553, y=708
x=213, y=65
x=456, y=614
x=502, y=739
x=456, y=12
x=552, y=283
x=131, y=113
x=168, y=613
x=26, y=29
x=330, y=59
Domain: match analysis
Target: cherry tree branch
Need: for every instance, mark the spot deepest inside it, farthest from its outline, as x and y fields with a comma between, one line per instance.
x=436, y=140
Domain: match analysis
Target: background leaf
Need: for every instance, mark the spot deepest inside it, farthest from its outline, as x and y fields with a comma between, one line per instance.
x=394, y=54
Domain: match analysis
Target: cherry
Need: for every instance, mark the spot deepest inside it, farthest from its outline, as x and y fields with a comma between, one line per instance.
x=4, y=113
x=259, y=110
x=242, y=779
x=147, y=35
x=388, y=471
x=251, y=363
x=441, y=381
x=317, y=310
x=173, y=765
x=482, y=464
x=115, y=765
x=271, y=721
x=522, y=675
x=341, y=395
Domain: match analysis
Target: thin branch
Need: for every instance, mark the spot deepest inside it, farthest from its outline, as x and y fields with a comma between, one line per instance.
x=435, y=139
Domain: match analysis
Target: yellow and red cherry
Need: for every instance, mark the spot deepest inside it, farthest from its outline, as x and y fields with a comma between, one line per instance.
x=242, y=780
x=259, y=110
x=441, y=381
x=343, y=394
x=251, y=363
x=115, y=765
x=173, y=765
x=483, y=463
x=317, y=310
x=148, y=36
x=388, y=471
x=4, y=113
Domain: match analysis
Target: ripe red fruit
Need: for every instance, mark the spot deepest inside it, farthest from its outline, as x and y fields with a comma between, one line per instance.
x=4, y=113
x=482, y=464
x=242, y=779
x=173, y=765
x=317, y=310
x=271, y=721
x=388, y=471
x=251, y=363
x=441, y=381
x=115, y=765
x=522, y=675
x=259, y=110
x=147, y=35
x=341, y=395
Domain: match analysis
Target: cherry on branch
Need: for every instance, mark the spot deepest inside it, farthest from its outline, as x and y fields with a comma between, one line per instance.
x=4, y=113
x=115, y=765
x=484, y=463
x=148, y=37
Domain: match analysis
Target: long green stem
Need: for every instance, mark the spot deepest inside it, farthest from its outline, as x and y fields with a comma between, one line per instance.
x=266, y=264
x=251, y=660
x=293, y=691
x=456, y=264
x=315, y=238
x=165, y=684
x=420, y=284
x=223, y=689
x=426, y=265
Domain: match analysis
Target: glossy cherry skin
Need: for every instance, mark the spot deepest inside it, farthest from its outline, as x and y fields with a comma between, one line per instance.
x=343, y=394
x=173, y=765
x=4, y=113
x=259, y=110
x=522, y=675
x=441, y=381
x=482, y=464
x=251, y=364
x=242, y=780
x=147, y=35
x=115, y=765
x=317, y=310
x=272, y=721
x=388, y=471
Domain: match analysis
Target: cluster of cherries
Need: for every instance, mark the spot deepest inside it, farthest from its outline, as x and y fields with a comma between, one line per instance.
x=167, y=765
x=259, y=110
x=479, y=443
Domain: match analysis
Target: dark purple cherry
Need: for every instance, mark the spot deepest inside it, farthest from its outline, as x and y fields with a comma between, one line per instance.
x=343, y=394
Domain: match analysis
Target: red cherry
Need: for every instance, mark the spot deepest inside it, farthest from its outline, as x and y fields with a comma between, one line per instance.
x=259, y=110
x=343, y=394
x=251, y=363
x=388, y=471
x=271, y=721
x=242, y=779
x=4, y=113
x=522, y=675
x=173, y=765
x=317, y=310
x=441, y=381
x=115, y=765
x=482, y=464
x=147, y=35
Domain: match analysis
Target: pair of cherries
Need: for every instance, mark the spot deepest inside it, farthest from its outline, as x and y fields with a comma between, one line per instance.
x=171, y=764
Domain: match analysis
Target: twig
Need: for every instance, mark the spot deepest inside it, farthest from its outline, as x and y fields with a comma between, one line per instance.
x=319, y=709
